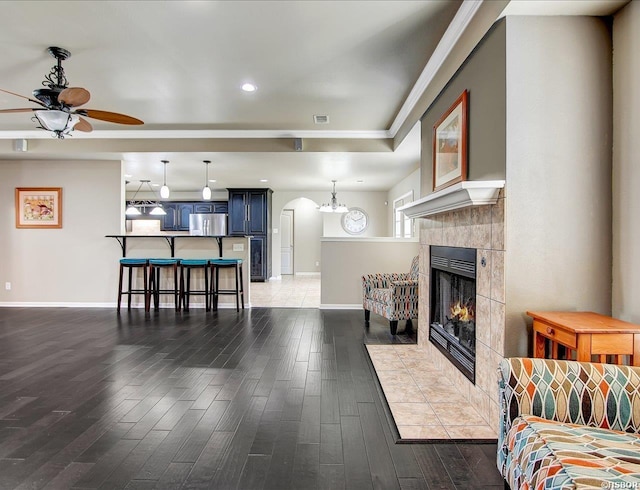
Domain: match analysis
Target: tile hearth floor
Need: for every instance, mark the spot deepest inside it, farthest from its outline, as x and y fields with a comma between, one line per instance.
x=423, y=404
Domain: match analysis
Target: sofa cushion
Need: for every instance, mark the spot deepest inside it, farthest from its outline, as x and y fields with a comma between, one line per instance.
x=554, y=455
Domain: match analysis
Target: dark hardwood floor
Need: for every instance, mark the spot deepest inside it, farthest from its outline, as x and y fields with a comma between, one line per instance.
x=264, y=399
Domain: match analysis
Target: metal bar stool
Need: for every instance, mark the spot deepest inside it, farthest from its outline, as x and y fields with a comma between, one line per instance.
x=155, y=266
x=238, y=292
x=130, y=265
x=185, y=289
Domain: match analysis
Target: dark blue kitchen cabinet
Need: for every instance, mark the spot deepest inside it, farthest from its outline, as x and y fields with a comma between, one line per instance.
x=250, y=214
x=177, y=217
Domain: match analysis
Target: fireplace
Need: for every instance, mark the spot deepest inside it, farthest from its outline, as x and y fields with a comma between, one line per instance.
x=452, y=325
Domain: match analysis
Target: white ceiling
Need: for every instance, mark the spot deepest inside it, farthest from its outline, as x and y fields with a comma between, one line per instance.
x=179, y=65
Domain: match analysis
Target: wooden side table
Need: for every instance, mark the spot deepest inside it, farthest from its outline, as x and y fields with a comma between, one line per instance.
x=587, y=333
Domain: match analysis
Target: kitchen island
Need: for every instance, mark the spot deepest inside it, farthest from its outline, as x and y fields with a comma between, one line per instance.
x=186, y=246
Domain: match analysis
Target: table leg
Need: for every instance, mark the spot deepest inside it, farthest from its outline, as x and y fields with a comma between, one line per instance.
x=584, y=348
x=538, y=345
x=635, y=358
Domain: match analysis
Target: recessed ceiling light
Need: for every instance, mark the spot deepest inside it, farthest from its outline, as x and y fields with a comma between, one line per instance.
x=155, y=185
x=212, y=180
x=127, y=176
x=249, y=87
x=264, y=180
x=359, y=181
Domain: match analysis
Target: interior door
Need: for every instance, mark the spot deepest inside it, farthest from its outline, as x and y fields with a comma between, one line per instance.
x=286, y=251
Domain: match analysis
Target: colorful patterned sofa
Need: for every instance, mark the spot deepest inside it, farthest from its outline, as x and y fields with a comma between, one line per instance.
x=568, y=424
x=393, y=296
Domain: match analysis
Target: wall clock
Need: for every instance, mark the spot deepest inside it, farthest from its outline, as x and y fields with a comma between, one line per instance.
x=355, y=221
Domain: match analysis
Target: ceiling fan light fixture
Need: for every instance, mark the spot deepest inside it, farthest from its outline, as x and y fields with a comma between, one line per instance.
x=60, y=122
x=206, y=190
x=164, y=190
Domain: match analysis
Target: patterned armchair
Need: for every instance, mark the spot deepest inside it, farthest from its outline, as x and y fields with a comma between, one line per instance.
x=568, y=424
x=393, y=296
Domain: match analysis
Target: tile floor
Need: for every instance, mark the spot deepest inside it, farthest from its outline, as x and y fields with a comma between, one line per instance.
x=296, y=291
x=423, y=404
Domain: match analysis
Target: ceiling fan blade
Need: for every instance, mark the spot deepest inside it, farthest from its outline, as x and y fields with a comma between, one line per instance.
x=83, y=125
x=113, y=117
x=23, y=97
x=74, y=96
x=7, y=111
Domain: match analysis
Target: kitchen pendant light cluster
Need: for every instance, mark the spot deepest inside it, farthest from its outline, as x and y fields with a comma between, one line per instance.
x=135, y=207
x=333, y=206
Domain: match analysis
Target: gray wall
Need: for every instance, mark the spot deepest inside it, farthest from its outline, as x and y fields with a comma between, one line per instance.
x=346, y=260
x=558, y=193
x=74, y=264
x=626, y=164
x=483, y=75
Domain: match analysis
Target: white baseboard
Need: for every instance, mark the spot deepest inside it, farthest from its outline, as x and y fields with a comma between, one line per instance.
x=325, y=306
x=53, y=304
x=34, y=304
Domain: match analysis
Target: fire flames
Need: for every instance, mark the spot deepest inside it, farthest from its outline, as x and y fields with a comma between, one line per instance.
x=462, y=313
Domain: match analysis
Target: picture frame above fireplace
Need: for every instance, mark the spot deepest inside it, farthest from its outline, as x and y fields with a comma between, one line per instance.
x=450, y=144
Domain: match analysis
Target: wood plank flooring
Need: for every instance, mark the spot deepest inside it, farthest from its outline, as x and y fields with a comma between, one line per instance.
x=261, y=399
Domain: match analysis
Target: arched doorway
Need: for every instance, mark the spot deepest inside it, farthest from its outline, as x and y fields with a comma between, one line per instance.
x=298, y=228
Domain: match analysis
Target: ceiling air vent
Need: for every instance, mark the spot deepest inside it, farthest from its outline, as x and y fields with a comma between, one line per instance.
x=321, y=119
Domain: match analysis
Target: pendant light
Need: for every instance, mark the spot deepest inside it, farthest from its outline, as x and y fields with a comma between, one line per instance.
x=333, y=206
x=206, y=190
x=164, y=190
x=134, y=206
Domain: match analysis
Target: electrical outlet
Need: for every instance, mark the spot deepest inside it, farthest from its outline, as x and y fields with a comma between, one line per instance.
x=238, y=247
x=7, y=286
x=317, y=264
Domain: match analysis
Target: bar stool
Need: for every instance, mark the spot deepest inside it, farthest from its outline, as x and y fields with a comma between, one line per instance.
x=155, y=266
x=186, y=292
x=238, y=292
x=130, y=265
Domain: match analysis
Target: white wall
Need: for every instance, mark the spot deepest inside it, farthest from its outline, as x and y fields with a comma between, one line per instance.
x=74, y=264
x=307, y=228
x=374, y=205
x=371, y=202
x=409, y=184
x=626, y=164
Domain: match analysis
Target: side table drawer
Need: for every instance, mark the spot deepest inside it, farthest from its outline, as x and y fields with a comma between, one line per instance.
x=556, y=334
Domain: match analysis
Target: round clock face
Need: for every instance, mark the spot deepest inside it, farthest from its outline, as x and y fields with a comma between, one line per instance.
x=355, y=221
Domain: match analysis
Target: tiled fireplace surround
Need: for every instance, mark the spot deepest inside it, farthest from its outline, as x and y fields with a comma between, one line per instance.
x=482, y=228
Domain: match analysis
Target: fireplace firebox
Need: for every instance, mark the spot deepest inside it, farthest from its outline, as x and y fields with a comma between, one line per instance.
x=452, y=326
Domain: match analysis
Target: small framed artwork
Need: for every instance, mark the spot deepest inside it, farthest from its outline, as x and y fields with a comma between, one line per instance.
x=38, y=207
x=450, y=144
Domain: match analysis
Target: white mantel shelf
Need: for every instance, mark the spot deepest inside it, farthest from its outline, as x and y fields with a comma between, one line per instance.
x=464, y=194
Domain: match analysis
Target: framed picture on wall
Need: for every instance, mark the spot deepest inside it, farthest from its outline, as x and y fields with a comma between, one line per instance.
x=38, y=207
x=450, y=144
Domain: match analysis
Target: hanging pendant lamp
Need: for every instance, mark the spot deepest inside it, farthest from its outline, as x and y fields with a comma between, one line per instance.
x=333, y=206
x=164, y=190
x=134, y=206
x=206, y=190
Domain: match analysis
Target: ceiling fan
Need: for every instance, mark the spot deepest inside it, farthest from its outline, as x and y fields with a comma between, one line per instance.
x=59, y=110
